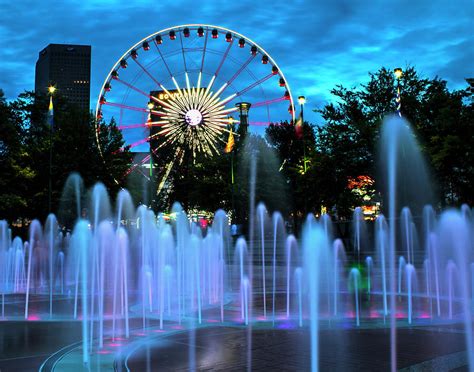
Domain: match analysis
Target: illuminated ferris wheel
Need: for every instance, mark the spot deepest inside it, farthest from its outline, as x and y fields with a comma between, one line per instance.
x=183, y=88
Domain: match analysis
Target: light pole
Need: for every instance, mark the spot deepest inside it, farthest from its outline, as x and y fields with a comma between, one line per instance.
x=398, y=74
x=150, y=106
x=231, y=150
x=302, y=101
x=244, y=108
x=51, y=90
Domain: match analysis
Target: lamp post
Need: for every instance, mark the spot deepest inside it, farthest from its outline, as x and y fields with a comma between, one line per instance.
x=302, y=101
x=51, y=90
x=150, y=106
x=244, y=108
x=398, y=74
x=231, y=125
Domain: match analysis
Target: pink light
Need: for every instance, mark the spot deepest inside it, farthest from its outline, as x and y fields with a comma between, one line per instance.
x=177, y=327
x=33, y=317
x=213, y=321
x=103, y=352
x=374, y=314
x=425, y=315
x=115, y=344
x=262, y=318
x=159, y=331
x=400, y=315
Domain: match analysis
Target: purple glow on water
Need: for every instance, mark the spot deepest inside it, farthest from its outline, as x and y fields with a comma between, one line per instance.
x=424, y=315
x=374, y=314
x=286, y=325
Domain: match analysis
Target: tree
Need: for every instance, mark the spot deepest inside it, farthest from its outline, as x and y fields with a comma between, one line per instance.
x=73, y=141
x=15, y=173
x=441, y=120
x=294, y=151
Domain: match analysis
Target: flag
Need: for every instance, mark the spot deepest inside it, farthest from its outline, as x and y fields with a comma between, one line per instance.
x=230, y=142
x=50, y=112
x=299, y=127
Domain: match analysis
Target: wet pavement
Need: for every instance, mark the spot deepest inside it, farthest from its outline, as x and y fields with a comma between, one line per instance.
x=25, y=345
x=226, y=349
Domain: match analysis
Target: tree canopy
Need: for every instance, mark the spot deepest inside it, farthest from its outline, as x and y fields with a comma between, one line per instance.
x=345, y=142
x=26, y=141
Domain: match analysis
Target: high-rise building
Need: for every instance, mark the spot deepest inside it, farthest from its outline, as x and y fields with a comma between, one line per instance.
x=68, y=68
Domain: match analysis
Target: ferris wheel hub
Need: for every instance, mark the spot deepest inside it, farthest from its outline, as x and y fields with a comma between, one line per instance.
x=193, y=117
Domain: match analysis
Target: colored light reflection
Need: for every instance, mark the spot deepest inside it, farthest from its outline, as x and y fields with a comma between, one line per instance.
x=286, y=325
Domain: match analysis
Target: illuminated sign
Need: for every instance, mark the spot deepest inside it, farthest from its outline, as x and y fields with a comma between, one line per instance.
x=166, y=97
x=169, y=95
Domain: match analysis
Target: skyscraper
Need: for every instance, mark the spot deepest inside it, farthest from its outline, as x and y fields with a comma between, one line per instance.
x=68, y=68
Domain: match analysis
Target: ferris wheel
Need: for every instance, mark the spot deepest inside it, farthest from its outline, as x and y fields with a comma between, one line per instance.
x=182, y=88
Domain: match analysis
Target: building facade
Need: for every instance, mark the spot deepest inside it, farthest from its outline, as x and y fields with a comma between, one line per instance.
x=68, y=68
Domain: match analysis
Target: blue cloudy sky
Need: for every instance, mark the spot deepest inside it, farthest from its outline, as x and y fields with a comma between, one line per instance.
x=317, y=43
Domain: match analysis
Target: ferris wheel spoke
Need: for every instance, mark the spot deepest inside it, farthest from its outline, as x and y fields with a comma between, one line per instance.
x=135, y=166
x=182, y=50
x=223, y=58
x=132, y=108
x=142, y=93
x=142, y=125
x=131, y=126
x=148, y=73
x=245, y=90
x=126, y=107
x=269, y=102
x=239, y=71
x=209, y=142
x=163, y=59
x=134, y=144
x=202, y=59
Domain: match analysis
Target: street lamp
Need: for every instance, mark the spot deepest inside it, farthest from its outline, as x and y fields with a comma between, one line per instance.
x=51, y=90
x=398, y=72
x=244, y=108
x=302, y=101
x=398, y=75
x=149, y=121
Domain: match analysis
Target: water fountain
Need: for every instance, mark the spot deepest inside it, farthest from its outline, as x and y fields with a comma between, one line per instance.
x=127, y=272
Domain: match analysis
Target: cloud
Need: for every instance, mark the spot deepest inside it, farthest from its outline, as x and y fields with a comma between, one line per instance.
x=317, y=44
